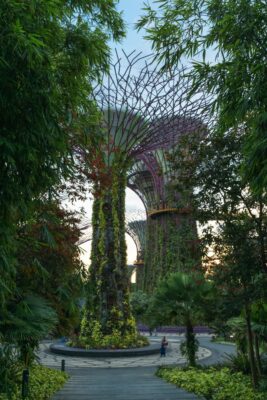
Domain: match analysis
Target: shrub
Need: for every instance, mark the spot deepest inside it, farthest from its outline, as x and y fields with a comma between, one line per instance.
x=264, y=363
x=212, y=384
x=10, y=370
x=43, y=383
x=92, y=337
x=238, y=363
x=112, y=341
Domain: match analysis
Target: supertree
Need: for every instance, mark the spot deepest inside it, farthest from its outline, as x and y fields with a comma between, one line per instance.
x=136, y=228
x=139, y=106
x=172, y=241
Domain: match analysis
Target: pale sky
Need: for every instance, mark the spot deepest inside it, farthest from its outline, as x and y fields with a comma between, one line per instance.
x=132, y=10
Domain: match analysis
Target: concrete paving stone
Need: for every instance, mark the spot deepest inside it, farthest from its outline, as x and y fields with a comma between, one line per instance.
x=117, y=379
x=122, y=384
x=173, y=357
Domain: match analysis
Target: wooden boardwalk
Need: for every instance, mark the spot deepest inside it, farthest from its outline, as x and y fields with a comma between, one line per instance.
x=119, y=384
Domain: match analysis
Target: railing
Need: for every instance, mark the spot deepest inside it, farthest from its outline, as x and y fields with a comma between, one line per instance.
x=179, y=210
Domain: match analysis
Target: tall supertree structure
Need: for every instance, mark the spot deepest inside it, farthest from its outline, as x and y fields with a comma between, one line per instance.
x=136, y=228
x=172, y=242
x=133, y=98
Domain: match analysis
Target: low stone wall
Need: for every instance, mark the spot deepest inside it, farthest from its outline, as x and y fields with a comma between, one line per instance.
x=60, y=348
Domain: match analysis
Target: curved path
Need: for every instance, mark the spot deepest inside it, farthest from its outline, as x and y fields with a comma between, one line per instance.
x=173, y=357
x=218, y=351
x=120, y=381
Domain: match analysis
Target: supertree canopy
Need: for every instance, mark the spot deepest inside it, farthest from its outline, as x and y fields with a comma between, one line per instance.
x=143, y=112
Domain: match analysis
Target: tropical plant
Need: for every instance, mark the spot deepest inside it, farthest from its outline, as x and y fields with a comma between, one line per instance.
x=226, y=40
x=51, y=52
x=43, y=383
x=211, y=383
x=259, y=327
x=49, y=261
x=238, y=362
x=237, y=327
x=181, y=299
x=238, y=275
x=139, y=302
x=10, y=370
x=26, y=321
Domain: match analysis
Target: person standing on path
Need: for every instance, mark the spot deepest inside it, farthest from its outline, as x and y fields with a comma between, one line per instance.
x=163, y=347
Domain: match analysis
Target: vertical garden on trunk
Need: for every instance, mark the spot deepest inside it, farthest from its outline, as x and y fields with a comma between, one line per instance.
x=107, y=319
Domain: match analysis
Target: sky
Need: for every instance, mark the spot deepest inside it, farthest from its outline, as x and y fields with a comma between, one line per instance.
x=132, y=10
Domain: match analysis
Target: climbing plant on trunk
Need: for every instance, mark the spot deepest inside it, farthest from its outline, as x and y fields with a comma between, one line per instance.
x=109, y=287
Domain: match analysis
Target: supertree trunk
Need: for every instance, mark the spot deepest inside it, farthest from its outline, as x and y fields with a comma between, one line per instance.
x=136, y=228
x=140, y=277
x=172, y=245
x=172, y=241
x=108, y=297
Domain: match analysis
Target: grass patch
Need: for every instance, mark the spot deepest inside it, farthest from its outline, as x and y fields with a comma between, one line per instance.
x=44, y=382
x=211, y=383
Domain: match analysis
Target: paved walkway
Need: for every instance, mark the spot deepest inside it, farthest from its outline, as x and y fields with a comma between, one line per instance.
x=218, y=351
x=123, y=382
x=173, y=357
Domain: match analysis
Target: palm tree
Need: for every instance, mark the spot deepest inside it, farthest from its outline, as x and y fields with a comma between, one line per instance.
x=181, y=298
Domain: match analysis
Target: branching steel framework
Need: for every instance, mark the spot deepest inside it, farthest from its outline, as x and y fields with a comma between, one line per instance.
x=145, y=110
